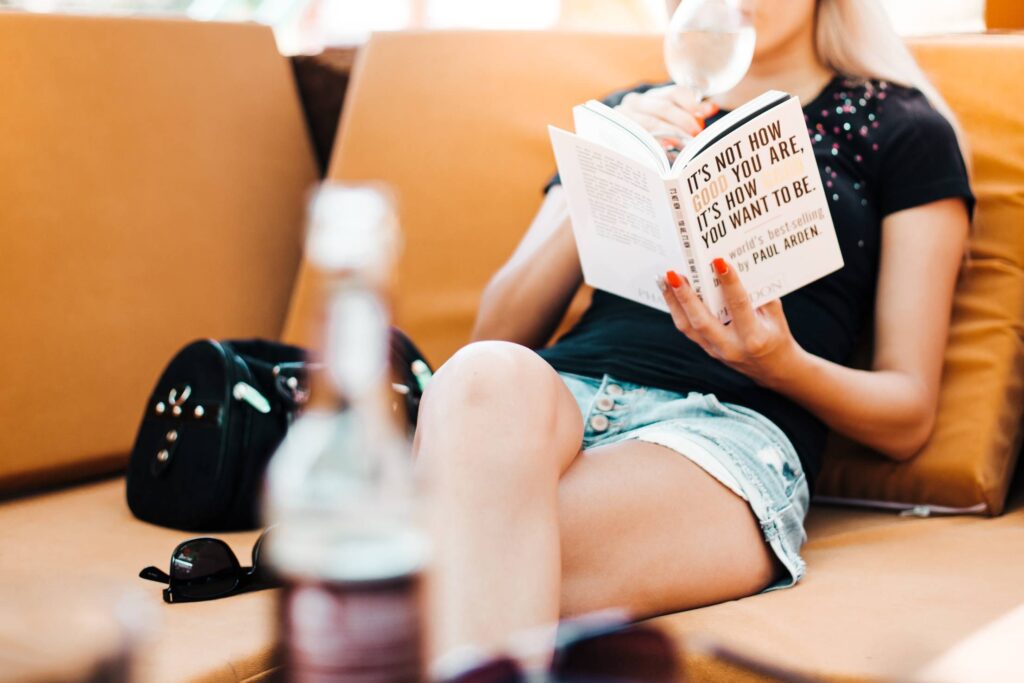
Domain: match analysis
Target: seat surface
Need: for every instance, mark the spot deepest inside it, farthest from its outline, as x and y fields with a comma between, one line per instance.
x=876, y=582
x=885, y=596
x=88, y=534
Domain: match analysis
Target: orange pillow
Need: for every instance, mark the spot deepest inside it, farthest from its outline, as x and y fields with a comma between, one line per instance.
x=968, y=463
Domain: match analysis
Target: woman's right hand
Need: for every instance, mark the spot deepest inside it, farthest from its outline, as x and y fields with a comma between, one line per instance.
x=669, y=111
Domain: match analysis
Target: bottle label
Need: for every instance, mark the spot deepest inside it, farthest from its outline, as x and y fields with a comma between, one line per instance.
x=353, y=632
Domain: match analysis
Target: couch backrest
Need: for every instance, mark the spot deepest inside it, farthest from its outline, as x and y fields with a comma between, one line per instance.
x=153, y=176
x=456, y=122
x=969, y=461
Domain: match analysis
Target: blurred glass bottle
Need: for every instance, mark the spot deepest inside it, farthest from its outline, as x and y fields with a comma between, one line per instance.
x=340, y=488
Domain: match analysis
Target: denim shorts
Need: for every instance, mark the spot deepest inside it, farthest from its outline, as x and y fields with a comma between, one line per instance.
x=739, y=447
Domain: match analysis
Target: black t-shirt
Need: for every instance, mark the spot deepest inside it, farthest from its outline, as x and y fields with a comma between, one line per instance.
x=880, y=148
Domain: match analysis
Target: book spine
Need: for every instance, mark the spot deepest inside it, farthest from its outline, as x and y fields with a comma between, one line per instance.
x=692, y=269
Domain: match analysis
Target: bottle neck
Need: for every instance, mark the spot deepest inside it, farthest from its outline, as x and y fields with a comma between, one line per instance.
x=353, y=342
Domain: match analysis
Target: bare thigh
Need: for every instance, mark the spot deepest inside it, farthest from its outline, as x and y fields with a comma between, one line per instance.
x=643, y=527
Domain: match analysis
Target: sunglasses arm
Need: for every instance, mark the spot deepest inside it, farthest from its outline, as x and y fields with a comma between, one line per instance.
x=153, y=574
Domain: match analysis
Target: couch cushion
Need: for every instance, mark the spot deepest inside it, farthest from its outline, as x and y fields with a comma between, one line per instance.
x=152, y=186
x=87, y=534
x=883, y=597
x=457, y=124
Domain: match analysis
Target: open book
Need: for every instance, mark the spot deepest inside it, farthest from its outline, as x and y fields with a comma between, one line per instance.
x=747, y=188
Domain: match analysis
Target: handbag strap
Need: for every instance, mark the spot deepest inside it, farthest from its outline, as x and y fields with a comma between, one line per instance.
x=284, y=370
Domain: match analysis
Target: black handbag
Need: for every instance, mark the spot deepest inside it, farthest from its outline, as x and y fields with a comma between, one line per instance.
x=217, y=414
x=211, y=424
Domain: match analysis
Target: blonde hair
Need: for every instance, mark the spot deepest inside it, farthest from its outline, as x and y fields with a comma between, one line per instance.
x=856, y=38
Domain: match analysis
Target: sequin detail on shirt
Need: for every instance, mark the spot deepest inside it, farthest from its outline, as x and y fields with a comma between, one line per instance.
x=849, y=121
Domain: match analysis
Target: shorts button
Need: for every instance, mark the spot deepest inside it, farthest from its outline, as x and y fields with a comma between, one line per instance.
x=613, y=390
x=604, y=403
x=599, y=423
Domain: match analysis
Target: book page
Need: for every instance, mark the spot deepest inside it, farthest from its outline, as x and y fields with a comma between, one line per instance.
x=757, y=200
x=621, y=219
x=599, y=123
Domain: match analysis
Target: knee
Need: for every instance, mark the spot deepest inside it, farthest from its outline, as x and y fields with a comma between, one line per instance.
x=505, y=392
x=489, y=375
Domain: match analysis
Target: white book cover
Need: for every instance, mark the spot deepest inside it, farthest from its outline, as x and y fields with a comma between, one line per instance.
x=746, y=189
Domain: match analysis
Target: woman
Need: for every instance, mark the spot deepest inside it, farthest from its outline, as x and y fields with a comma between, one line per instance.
x=658, y=462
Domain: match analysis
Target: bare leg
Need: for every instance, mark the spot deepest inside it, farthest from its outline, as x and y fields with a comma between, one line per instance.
x=497, y=428
x=527, y=529
x=643, y=527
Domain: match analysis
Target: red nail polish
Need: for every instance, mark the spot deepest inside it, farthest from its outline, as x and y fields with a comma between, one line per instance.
x=701, y=122
x=674, y=279
x=720, y=266
x=712, y=108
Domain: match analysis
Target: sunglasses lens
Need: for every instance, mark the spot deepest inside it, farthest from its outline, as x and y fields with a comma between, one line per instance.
x=204, y=568
x=634, y=654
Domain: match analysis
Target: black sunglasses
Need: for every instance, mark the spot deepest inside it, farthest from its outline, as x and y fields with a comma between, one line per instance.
x=206, y=569
x=592, y=649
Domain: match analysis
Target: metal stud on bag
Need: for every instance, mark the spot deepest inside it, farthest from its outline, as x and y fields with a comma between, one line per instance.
x=174, y=399
x=162, y=461
x=289, y=385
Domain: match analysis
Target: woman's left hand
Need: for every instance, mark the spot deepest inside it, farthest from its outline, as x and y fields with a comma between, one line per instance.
x=758, y=343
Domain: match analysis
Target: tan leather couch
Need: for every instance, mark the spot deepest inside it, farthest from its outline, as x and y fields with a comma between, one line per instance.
x=1004, y=14
x=152, y=192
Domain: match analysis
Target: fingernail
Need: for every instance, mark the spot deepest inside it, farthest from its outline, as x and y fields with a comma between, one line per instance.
x=701, y=122
x=661, y=284
x=720, y=266
x=674, y=279
x=710, y=108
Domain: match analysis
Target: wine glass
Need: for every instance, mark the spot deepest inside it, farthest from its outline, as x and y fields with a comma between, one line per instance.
x=709, y=45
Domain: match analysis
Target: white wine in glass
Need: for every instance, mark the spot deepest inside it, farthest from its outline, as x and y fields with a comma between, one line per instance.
x=709, y=45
